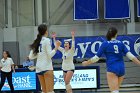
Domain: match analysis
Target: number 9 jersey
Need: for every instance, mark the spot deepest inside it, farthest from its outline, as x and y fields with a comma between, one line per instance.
x=114, y=51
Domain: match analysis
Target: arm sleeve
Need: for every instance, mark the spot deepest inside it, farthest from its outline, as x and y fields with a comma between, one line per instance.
x=73, y=45
x=72, y=48
x=60, y=49
x=0, y=64
x=32, y=55
x=130, y=55
x=94, y=59
x=49, y=50
x=54, y=41
x=101, y=49
x=11, y=61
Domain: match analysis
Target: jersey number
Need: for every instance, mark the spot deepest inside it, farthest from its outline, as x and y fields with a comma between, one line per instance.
x=40, y=48
x=64, y=57
x=116, y=49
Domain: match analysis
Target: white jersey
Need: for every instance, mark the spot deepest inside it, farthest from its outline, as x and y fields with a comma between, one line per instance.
x=6, y=64
x=44, y=61
x=67, y=57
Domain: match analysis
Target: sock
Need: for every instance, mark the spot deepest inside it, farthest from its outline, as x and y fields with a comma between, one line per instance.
x=68, y=87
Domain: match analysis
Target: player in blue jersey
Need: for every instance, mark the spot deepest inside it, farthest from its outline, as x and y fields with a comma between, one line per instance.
x=114, y=51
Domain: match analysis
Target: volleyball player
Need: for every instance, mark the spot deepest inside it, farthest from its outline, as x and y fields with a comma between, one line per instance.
x=114, y=51
x=41, y=49
x=6, y=64
x=67, y=64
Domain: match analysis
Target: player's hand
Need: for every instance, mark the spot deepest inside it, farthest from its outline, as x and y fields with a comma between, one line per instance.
x=85, y=63
x=73, y=32
x=31, y=68
x=53, y=35
x=58, y=43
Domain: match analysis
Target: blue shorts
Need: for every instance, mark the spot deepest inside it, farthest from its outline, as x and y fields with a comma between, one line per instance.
x=42, y=72
x=117, y=68
x=65, y=71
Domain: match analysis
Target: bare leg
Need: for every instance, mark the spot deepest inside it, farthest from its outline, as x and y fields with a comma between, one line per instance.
x=64, y=75
x=42, y=82
x=113, y=81
x=49, y=80
x=121, y=80
x=67, y=79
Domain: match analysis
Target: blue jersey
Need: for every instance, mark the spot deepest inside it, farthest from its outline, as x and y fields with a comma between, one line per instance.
x=114, y=51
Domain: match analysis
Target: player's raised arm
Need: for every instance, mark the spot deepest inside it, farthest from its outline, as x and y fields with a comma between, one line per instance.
x=49, y=50
x=73, y=39
x=54, y=40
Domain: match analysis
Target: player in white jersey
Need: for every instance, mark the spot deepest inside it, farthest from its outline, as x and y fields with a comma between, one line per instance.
x=6, y=67
x=41, y=49
x=67, y=64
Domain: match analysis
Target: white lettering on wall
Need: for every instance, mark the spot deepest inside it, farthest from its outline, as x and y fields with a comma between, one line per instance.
x=127, y=43
x=82, y=48
x=93, y=46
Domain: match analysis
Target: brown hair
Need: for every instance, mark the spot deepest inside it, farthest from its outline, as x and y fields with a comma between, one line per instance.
x=42, y=28
x=111, y=33
x=8, y=54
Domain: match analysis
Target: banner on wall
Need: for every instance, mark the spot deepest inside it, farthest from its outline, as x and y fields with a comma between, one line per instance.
x=116, y=9
x=86, y=9
x=87, y=47
x=138, y=6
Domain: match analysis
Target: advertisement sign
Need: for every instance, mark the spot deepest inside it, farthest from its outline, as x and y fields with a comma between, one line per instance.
x=84, y=78
x=22, y=81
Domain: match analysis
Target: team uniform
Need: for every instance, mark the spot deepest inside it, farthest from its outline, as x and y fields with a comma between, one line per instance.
x=114, y=51
x=6, y=64
x=6, y=72
x=44, y=61
x=67, y=64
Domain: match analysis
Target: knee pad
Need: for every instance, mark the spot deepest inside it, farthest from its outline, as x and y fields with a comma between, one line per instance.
x=68, y=87
x=115, y=91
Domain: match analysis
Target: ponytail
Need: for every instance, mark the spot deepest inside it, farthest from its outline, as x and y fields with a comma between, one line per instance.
x=36, y=44
x=42, y=28
x=108, y=35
